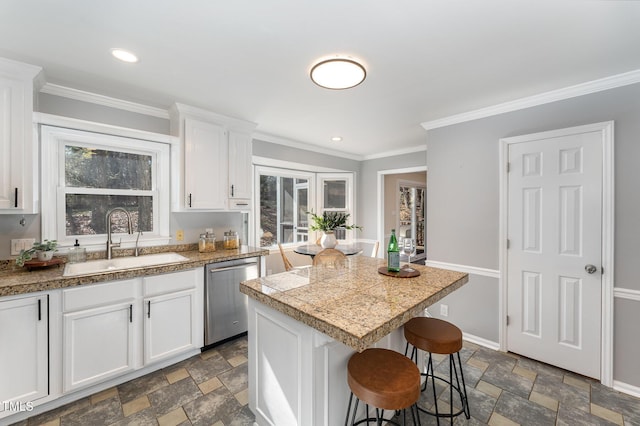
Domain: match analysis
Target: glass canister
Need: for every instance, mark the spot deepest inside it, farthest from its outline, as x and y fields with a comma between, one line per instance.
x=231, y=240
x=207, y=242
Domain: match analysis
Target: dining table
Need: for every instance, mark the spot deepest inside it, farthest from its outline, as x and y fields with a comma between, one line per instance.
x=313, y=249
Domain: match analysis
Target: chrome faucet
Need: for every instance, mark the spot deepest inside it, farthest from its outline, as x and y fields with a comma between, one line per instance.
x=111, y=244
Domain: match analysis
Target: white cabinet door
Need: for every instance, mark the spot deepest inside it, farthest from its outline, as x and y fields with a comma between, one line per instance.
x=205, y=165
x=18, y=177
x=24, y=367
x=239, y=166
x=173, y=314
x=169, y=325
x=98, y=344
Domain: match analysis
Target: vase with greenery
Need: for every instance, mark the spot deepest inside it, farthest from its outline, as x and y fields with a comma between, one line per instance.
x=327, y=223
x=43, y=249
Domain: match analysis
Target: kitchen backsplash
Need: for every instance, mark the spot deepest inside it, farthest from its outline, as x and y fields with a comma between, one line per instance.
x=191, y=223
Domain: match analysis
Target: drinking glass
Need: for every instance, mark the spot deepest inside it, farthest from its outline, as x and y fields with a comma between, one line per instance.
x=409, y=248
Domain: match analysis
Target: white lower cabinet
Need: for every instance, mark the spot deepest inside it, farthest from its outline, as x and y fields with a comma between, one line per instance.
x=116, y=327
x=24, y=343
x=171, y=315
x=99, y=333
x=79, y=340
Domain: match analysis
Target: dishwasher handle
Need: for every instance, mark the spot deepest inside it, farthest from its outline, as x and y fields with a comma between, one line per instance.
x=230, y=268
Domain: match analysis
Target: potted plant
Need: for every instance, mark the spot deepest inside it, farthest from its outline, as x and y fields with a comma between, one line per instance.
x=43, y=249
x=327, y=223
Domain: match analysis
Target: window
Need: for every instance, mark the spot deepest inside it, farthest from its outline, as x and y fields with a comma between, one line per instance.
x=285, y=197
x=87, y=174
x=336, y=190
x=284, y=201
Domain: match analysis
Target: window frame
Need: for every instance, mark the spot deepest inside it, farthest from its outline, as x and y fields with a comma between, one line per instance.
x=349, y=199
x=315, y=195
x=287, y=173
x=53, y=138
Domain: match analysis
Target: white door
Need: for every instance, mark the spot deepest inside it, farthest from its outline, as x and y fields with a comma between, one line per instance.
x=555, y=243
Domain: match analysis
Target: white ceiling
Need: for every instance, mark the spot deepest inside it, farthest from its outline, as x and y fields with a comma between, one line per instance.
x=250, y=59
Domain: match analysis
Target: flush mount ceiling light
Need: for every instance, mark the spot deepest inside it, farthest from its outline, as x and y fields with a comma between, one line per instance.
x=336, y=138
x=124, y=55
x=338, y=73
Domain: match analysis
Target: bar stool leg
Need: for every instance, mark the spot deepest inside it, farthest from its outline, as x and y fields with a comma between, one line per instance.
x=465, y=404
x=433, y=385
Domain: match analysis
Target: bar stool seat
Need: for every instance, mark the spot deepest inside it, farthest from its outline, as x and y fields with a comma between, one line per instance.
x=436, y=336
x=385, y=380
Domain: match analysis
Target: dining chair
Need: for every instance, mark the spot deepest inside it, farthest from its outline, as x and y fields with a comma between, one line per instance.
x=374, y=251
x=331, y=258
x=287, y=264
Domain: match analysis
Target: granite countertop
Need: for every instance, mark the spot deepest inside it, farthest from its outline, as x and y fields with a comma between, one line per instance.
x=355, y=305
x=15, y=280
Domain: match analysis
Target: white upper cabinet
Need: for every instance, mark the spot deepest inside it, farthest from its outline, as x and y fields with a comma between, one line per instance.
x=205, y=172
x=240, y=182
x=213, y=164
x=18, y=146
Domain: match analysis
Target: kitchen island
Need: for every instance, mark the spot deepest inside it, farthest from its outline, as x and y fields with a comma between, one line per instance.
x=306, y=323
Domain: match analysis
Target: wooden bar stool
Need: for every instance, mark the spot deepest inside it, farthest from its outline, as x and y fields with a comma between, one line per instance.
x=386, y=380
x=438, y=337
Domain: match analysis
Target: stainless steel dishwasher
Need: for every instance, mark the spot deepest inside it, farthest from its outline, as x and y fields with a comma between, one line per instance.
x=225, y=308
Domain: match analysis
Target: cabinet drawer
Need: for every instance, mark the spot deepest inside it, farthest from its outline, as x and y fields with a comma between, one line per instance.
x=168, y=283
x=98, y=294
x=239, y=204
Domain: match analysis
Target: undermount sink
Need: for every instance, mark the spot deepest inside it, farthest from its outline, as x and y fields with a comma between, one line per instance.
x=120, y=263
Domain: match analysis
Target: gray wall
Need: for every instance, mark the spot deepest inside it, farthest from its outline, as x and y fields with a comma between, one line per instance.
x=66, y=107
x=367, y=199
x=295, y=155
x=462, y=206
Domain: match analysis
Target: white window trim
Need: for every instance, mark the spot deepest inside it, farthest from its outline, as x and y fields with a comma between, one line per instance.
x=349, y=202
x=106, y=136
x=272, y=171
x=316, y=175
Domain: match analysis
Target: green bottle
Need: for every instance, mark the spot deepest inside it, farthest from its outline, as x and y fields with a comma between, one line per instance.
x=393, y=253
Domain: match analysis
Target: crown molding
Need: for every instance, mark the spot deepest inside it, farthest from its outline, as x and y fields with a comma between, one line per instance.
x=594, y=86
x=94, y=98
x=266, y=137
x=386, y=154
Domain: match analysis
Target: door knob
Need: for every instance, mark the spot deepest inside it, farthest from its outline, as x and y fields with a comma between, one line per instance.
x=590, y=269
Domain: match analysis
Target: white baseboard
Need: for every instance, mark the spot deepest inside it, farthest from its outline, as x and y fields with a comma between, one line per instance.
x=626, y=388
x=480, y=341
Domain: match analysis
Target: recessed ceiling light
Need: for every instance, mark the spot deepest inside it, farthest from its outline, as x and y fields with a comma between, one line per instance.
x=336, y=138
x=124, y=55
x=338, y=73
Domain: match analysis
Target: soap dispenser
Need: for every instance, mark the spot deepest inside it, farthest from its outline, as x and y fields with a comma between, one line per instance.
x=77, y=254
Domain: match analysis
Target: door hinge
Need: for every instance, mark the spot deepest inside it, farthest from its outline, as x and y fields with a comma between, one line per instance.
x=508, y=167
x=508, y=320
x=602, y=270
x=508, y=243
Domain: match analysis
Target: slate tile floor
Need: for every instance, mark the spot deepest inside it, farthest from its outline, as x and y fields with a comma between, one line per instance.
x=211, y=389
